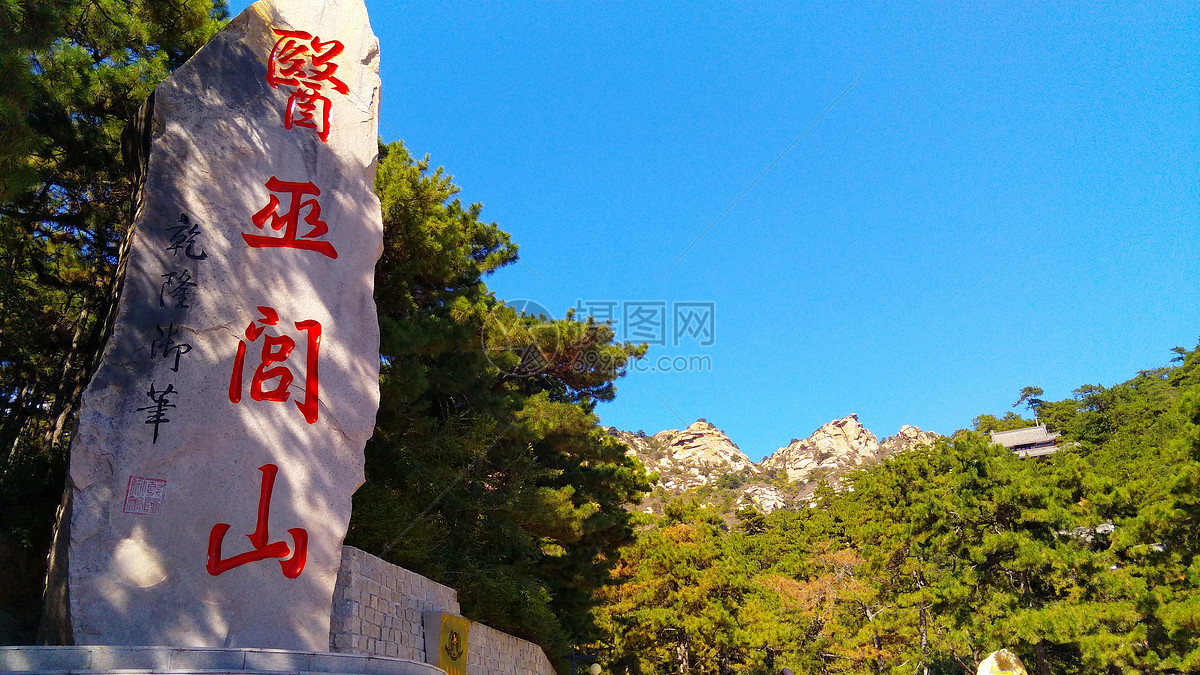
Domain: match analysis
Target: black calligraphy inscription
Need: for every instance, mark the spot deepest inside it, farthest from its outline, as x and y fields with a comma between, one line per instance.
x=183, y=239
x=175, y=292
x=165, y=345
x=156, y=412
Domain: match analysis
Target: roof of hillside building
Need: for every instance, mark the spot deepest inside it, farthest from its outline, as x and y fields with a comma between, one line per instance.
x=1023, y=437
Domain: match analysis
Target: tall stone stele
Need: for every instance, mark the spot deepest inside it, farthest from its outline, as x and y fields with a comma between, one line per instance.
x=220, y=441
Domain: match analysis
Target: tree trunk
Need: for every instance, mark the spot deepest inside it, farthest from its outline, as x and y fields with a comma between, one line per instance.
x=69, y=388
x=880, y=667
x=1039, y=650
x=922, y=624
x=681, y=653
x=14, y=423
x=88, y=342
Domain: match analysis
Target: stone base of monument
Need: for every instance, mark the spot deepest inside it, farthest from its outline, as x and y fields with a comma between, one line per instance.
x=99, y=660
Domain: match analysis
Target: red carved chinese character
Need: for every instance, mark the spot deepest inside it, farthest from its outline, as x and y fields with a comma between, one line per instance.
x=271, y=382
x=288, y=224
x=303, y=63
x=259, y=538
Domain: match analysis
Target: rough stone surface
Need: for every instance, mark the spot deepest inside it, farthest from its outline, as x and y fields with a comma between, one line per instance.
x=765, y=498
x=102, y=660
x=838, y=445
x=907, y=438
x=837, y=448
x=196, y=289
x=701, y=455
x=492, y=652
x=696, y=456
x=377, y=607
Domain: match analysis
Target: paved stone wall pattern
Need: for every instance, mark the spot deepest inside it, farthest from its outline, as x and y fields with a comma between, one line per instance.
x=377, y=610
x=377, y=607
x=491, y=652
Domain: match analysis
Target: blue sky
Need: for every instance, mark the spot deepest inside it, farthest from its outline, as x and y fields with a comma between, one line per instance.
x=1009, y=196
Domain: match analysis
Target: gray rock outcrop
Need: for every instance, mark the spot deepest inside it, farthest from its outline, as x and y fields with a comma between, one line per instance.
x=220, y=440
x=700, y=456
x=765, y=498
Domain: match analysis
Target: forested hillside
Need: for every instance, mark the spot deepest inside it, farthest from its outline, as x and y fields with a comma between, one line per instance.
x=1081, y=562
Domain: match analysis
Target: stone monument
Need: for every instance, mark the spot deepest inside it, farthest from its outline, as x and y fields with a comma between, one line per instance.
x=220, y=441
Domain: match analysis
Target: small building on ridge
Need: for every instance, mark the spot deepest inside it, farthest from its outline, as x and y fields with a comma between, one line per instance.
x=1029, y=442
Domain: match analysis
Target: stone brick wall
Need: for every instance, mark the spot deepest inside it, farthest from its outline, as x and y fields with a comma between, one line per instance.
x=491, y=652
x=377, y=609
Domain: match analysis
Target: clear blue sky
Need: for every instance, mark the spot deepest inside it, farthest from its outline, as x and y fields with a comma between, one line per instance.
x=1009, y=196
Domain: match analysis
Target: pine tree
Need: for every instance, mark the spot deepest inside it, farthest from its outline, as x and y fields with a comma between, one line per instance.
x=488, y=470
x=75, y=74
x=682, y=594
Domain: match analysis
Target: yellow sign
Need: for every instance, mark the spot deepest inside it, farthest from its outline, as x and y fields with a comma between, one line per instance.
x=452, y=650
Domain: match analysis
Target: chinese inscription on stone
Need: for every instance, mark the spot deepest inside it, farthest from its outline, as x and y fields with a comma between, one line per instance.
x=242, y=370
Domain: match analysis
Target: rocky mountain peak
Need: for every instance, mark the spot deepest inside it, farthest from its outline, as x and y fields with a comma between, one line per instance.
x=702, y=455
x=907, y=438
x=836, y=447
x=699, y=455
